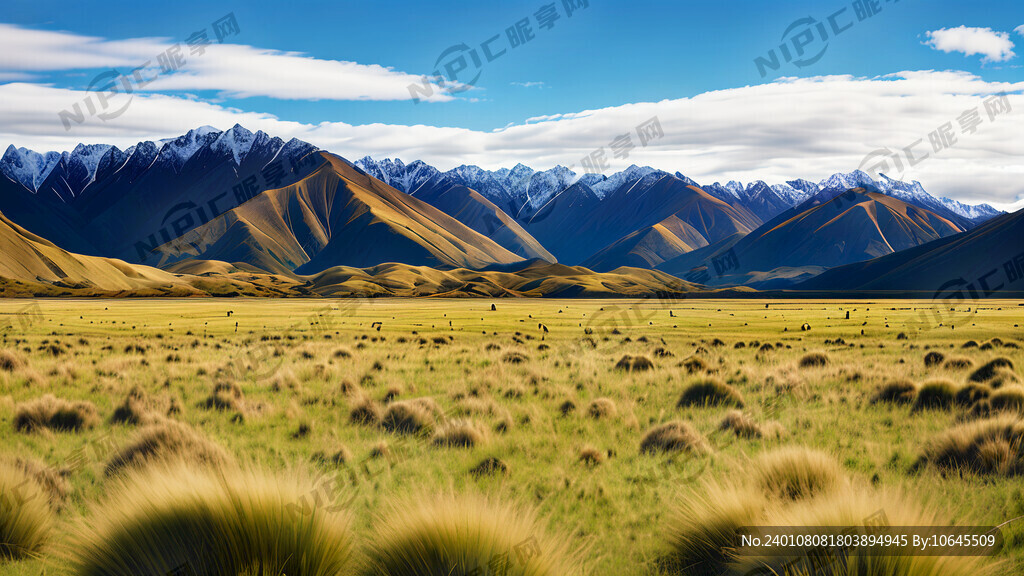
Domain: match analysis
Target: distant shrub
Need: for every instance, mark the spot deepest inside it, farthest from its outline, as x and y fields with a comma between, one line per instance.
x=710, y=392
x=675, y=436
x=900, y=391
x=634, y=363
x=602, y=408
x=814, y=360
x=49, y=412
x=933, y=359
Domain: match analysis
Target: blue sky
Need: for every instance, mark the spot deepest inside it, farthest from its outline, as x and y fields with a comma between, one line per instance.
x=608, y=56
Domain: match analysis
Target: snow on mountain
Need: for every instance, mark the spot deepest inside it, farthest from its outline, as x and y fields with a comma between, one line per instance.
x=28, y=167
x=236, y=140
x=615, y=181
x=177, y=151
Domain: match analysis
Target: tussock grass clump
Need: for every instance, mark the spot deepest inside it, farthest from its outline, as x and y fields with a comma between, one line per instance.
x=694, y=364
x=933, y=359
x=226, y=396
x=366, y=412
x=814, y=360
x=52, y=480
x=637, y=363
x=26, y=517
x=449, y=535
x=851, y=508
x=937, y=394
x=410, y=416
x=602, y=408
x=1004, y=377
x=458, y=434
x=235, y=522
x=591, y=456
x=675, y=436
x=745, y=427
x=342, y=352
x=702, y=528
x=710, y=392
x=11, y=361
x=491, y=466
x=1008, y=399
x=567, y=407
x=514, y=357
x=166, y=441
x=900, y=391
x=134, y=409
x=795, y=473
x=994, y=446
x=958, y=363
x=989, y=369
x=971, y=393
x=52, y=413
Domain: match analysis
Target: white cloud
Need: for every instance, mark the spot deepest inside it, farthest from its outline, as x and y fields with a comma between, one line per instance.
x=994, y=46
x=793, y=128
x=528, y=84
x=231, y=69
x=1019, y=29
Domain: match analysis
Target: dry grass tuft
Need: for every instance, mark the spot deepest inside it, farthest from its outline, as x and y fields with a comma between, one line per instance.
x=237, y=522
x=459, y=434
x=366, y=412
x=989, y=369
x=414, y=416
x=53, y=481
x=490, y=467
x=26, y=517
x=226, y=396
x=449, y=535
x=937, y=394
x=637, y=363
x=994, y=446
x=795, y=473
x=167, y=441
x=514, y=357
x=694, y=364
x=710, y=392
x=49, y=412
x=591, y=456
x=602, y=408
x=900, y=391
x=134, y=410
x=814, y=360
x=11, y=361
x=958, y=363
x=675, y=436
x=933, y=359
x=745, y=427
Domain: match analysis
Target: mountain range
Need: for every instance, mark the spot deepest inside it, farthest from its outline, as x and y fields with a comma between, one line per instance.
x=235, y=204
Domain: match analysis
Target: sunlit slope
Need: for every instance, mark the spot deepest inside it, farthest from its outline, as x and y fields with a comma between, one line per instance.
x=338, y=216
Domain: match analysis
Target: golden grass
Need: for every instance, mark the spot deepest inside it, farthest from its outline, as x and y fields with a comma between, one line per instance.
x=446, y=535
x=167, y=517
x=795, y=473
x=25, y=514
x=167, y=440
x=994, y=446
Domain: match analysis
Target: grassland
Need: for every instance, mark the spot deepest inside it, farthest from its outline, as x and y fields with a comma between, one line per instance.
x=533, y=385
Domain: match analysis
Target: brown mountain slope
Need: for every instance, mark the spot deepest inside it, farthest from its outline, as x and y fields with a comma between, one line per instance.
x=27, y=258
x=987, y=261
x=337, y=216
x=855, y=226
x=639, y=205
x=472, y=209
x=649, y=247
x=532, y=279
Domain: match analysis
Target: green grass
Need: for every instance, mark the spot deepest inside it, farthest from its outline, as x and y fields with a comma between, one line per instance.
x=316, y=361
